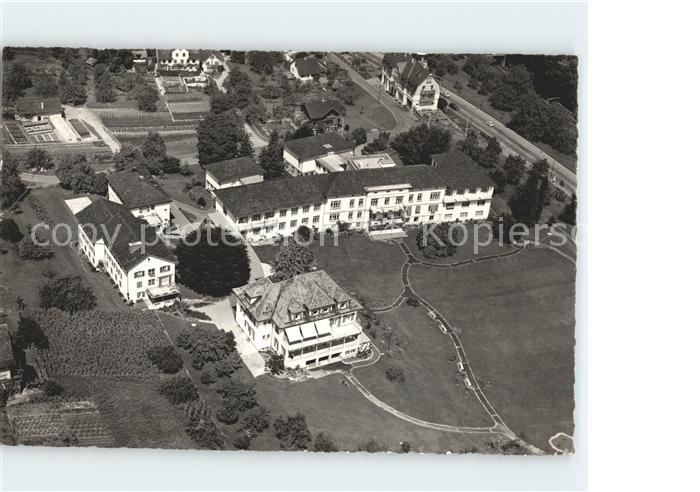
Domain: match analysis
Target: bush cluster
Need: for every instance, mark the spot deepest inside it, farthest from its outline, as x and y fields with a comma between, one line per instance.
x=166, y=358
x=178, y=389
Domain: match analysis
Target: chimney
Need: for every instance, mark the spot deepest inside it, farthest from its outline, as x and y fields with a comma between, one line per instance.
x=42, y=104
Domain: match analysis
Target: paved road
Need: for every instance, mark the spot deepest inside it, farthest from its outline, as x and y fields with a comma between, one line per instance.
x=404, y=118
x=510, y=141
x=86, y=114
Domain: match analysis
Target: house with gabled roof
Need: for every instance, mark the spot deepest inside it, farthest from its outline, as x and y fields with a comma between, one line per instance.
x=323, y=114
x=232, y=172
x=139, y=192
x=306, y=69
x=308, y=319
x=409, y=81
x=129, y=250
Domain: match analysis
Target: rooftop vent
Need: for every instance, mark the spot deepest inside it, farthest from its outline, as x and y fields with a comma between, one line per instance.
x=327, y=146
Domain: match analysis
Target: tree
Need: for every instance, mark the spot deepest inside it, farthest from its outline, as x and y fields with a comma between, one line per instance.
x=372, y=446
x=514, y=168
x=9, y=231
x=29, y=333
x=302, y=132
x=212, y=267
x=219, y=137
x=416, y=145
x=45, y=86
x=67, y=294
x=263, y=61
x=292, y=260
x=271, y=157
x=240, y=395
x=16, y=82
x=503, y=229
x=29, y=250
x=435, y=244
x=359, y=135
x=292, y=432
x=128, y=157
x=324, y=443
x=568, y=215
x=275, y=364
x=395, y=374
x=153, y=148
x=38, y=158
x=11, y=186
x=256, y=421
x=499, y=179
x=379, y=144
x=74, y=172
x=166, y=358
x=228, y=414
x=73, y=93
x=516, y=83
x=146, y=97
x=246, y=148
x=104, y=89
x=529, y=198
x=178, y=389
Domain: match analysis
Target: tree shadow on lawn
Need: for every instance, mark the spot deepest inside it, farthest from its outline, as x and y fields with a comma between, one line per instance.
x=515, y=318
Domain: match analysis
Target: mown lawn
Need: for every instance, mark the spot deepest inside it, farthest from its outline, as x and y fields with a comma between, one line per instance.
x=476, y=244
x=370, y=270
x=340, y=410
x=515, y=318
x=366, y=112
x=433, y=389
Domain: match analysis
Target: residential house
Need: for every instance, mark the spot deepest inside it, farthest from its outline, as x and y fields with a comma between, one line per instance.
x=139, y=192
x=140, y=56
x=380, y=201
x=410, y=82
x=232, y=172
x=8, y=364
x=308, y=319
x=128, y=249
x=306, y=69
x=324, y=115
x=191, y=62
x=322, y=153
x=36, y=110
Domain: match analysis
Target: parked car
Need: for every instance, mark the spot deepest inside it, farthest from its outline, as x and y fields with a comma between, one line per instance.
x=489, y=123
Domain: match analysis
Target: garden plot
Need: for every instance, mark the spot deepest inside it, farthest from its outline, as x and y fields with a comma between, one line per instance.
x=77, y=422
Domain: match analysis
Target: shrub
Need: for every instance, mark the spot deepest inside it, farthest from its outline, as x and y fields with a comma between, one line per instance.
x=275, y=364
x=229, y=365
x=256, y=421
x=292, y=260
x=241, y=440
x=292, y=432
x=166, y=358
x=412, y=301
x=9, y=231
x=201, y=201
x=206, y=344
x=228, y=414
x=67, y=294
x=324, y=443
x=405, y=447
x=206, y=378
x=186, y=171
x=29, y=250
x=372, y=446
x=303, y=234
x=200, y=427
x=436, y=244
x=52, y=388
x=395, y=374
x=178, y=389
x=242, y=395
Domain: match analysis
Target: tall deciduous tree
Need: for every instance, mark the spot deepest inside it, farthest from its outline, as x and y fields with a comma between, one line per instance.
x=104, y=89
x=11, y=186
x=292, y=260
x=417, y=144
x=212, y=267
x=514, y=168
x=529, y=199
x=67, y=294
x=568, y=215
x=263, y=62
x=271, y=157
x=16, y=82
x=219, y=137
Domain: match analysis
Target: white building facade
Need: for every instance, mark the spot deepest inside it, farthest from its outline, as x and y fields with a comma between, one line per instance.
x=308, y=319
x=409, y=82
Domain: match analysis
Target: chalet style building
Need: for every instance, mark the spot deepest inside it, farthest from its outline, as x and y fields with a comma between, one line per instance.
x=410, y=82
x=36, y=110
x=139, y=192
x=323, y=153
x=380, y=201
x=190, y=62
x=308, y=319
x=232, y=172
x=324, y=115
x=128, y=249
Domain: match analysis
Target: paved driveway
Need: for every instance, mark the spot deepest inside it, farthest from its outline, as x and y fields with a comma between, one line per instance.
x=89, y=116
x=221, y=315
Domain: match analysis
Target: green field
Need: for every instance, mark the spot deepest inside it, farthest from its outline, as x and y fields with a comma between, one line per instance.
x=515, y=318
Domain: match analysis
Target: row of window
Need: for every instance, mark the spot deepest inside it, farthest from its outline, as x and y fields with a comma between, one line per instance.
x=467, y=191
x=151, y=271
x=322, y=346
x=282, y=213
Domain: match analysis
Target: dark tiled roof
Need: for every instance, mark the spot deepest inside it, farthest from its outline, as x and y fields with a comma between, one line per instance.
x=411, y=72
x=7, y=357
x=276, y=194
x=317, y=110
x=307, y=291
x=28, y=106
x=319, y=145
x=459, y=171
x=234, y=169
x=137, y=190
x=114, y=221
x=307, y=66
